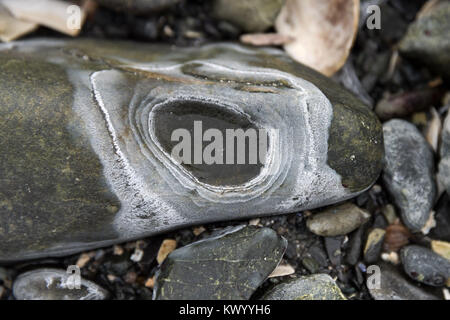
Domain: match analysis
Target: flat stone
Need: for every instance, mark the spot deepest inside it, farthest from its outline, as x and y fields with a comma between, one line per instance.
x=55, y=284
x=87, y=152
x=338, y=220
x=425, y=266
x=229, y=266
x=428, y=40
x=409, y=173
x=313, y=287
x=393, y=286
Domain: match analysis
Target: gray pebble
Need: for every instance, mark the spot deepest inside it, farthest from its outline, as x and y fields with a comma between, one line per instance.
x=425, y=266
x=337, y=220
x=250, y=16
x=428, y=38
x=333, y=247
x=409, y=172
x=355, y=246
x=393, y=286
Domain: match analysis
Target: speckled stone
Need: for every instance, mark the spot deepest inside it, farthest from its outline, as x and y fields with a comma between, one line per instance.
x=82, y=165
x=409, y=172
x=313, y=287
x=393, y=286
x=425, y=266
x=55, y=284
x=229, y=266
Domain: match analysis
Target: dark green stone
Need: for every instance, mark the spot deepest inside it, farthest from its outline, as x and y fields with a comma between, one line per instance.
x=230, y=266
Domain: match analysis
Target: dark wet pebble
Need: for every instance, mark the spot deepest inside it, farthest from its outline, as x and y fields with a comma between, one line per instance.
x=231, y=265
x=355, y=246
x=425, y=266
x=333, y=246
x=394, y=286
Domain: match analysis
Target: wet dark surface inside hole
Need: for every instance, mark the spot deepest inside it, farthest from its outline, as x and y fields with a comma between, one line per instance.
x=183, y=114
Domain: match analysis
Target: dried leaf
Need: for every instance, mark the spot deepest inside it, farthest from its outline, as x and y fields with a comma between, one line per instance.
x=50, y=13
x=324, y=31
x=12, y=28
x=282, y=270
x=265, y=39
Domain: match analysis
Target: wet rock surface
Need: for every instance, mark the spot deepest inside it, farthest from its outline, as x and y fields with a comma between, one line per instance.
x=112, y=171
x=409, y=176
x=54, y=284
x=314, y=287
x=229, y=266
x=425, y=266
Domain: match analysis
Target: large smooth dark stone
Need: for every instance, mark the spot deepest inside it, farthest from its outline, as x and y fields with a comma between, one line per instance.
x=85, y=141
